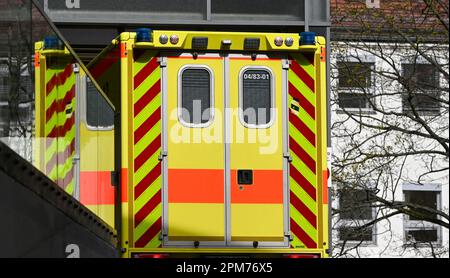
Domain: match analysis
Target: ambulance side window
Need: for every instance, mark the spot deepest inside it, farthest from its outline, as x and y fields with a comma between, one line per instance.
x=256, y=97
x=195, y=96
x=99, y=115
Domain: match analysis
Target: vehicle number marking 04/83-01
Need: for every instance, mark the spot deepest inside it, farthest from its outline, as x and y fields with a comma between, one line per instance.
x=263, y=76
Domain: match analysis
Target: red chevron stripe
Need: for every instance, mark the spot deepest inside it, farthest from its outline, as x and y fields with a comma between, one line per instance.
x=304, y=156
x=147, y=181
x=147, y=97
x=104, y=64
x=302, y=235
x=60, y=131
x=51, y=84
x=149, y=234
x=304, y=103
x=51, y=163
x=51, y=110
x=68, y=151
x=147, y=153
x=145, y=72
x=62, y=77
x=303, y=75
x=302, y=128
x=302, y=182
x=304, y=210
x=60, y=105
x=64, y=154
x=64, y=182
x=147, y=125
x=147, y=208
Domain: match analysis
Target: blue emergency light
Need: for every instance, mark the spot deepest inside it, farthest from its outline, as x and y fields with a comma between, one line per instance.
x=53, y=42
x=144, y=35
x=307, y=38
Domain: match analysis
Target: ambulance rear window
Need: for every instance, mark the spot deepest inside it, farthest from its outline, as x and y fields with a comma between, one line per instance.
x=196, y=94
x=256, y=97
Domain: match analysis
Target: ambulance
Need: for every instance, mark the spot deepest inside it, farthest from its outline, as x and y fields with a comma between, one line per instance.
x=217, y=145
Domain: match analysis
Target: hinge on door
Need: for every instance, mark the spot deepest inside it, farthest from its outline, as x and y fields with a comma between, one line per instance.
x=288, y=156
x=289, y=236
x=162, y=61
x=285, y=64
x=162, y=155
x=75, y=159
x=162, y=236
x=76, y=68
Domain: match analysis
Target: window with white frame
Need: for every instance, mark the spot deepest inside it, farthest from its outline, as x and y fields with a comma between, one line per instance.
x=417, y=230
x=99, y=115
x=355, y=80
x=421, y=88
x=195, y=100
x=256, y=97
x=355, y=210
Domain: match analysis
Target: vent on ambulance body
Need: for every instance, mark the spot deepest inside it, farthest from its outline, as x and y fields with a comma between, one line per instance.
x=251, y=43
x=199, y=42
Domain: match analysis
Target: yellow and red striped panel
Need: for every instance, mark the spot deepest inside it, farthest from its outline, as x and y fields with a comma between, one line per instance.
x=60, y=123
x=96, y=190
x=147, y=179
x=303, y=149
x=99, y=69
x=106, y=72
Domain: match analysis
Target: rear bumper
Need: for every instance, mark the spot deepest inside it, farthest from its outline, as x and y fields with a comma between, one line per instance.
x=224, y=253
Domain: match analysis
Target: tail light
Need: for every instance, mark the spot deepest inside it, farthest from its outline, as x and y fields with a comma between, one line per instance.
x=278, y=41
x=150, y=256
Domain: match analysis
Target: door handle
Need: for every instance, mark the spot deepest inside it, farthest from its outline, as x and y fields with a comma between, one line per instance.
x=245, y=177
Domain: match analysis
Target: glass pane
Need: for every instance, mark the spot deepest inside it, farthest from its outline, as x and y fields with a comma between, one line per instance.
x=355, y=74
x=421, y=76
x=353, y=100
x=423, y=198
x=353, y=205
x=98, y=112
x=256, y=96
x=422, y=235
x=196, y=96
x=41, y=99
x=355, y=234
x=427, y=102
x=256, y=9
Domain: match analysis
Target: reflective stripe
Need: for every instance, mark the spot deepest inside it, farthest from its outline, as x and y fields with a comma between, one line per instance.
x=146, y=128
x=196, y=186
x=60, y=123
x=267, y=188
x=303, y=149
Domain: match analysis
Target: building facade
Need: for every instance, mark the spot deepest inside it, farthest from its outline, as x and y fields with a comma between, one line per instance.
x=389, y=111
